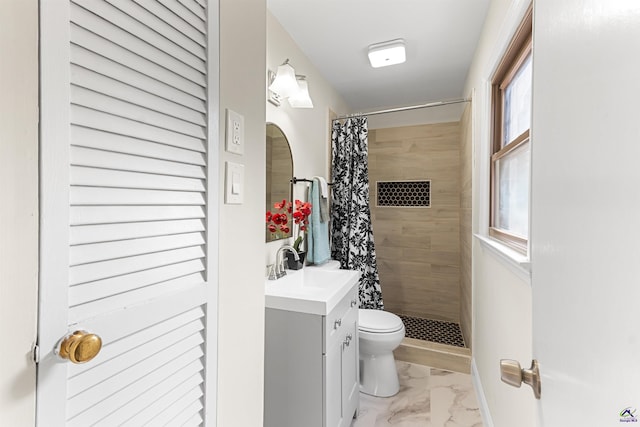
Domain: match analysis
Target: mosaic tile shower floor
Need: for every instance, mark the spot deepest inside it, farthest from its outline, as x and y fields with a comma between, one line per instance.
x=448, y=333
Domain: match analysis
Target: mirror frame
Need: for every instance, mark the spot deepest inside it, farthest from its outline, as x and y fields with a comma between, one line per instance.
x=284, y=189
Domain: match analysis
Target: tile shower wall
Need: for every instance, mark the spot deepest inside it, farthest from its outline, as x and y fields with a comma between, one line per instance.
x=466, y=234
x=419, y=248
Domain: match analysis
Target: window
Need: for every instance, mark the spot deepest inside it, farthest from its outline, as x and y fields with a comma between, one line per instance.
x=510, y=158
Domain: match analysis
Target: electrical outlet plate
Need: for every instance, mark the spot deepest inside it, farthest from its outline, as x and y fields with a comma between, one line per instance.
x=235, y=133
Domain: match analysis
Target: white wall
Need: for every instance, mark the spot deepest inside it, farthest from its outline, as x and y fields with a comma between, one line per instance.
x=308, y=130
x=241, y=235
x=501, y=292
x=18, y=209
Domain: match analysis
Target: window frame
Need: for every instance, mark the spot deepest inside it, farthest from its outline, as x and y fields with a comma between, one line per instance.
x=518, y=51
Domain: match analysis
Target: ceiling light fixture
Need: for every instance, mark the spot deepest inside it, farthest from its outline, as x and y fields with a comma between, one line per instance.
x=387, y=53
x=301, y=99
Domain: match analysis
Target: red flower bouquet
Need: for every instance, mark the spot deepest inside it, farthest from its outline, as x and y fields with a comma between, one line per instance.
x=301, y=217
x=278, y=220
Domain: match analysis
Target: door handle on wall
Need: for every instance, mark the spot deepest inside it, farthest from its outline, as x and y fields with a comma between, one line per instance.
x=512, y=374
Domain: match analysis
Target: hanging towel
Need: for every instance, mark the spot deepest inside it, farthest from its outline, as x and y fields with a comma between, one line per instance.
x=324, y=198
x=324, y=187
x=318, y=251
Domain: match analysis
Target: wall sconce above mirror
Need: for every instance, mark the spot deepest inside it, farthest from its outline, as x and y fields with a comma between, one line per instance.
x=301, y=99
x=285, y=83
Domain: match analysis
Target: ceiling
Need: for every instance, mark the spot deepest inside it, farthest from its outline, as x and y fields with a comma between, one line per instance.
x=440, y=35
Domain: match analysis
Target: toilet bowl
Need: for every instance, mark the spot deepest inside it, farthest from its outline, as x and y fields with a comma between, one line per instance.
x=380, y=332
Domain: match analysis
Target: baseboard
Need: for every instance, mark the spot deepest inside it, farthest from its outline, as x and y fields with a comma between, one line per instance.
x=482, y=400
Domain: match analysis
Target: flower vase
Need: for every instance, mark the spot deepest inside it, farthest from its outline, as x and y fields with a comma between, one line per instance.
x=292, y=264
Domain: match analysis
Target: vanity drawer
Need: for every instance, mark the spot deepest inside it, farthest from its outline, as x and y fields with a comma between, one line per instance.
x=336, y=322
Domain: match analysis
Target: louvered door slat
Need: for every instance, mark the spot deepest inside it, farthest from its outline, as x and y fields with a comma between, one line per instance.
x=132, y=25
x=139, y=317
x=103, y=28
x=117, y=196
x=120, y=64
x=122, y=179
x=182, y=409
x=112, y=268
x=81, y=156
x=195, y=420
x=100, y=289
x=112, y=106
x=95, y=252
x=195, y=8
x=134, y=296
x=147, y=406
x=101, y=83
x=87, y=117
x=118, y=346
x=109, y=142
x=185, y=14
x=134, y=407
x=85, y=410
x=131, y=362
x=153, y=6
x=112, y=232
x=161, y=27
x=85, y=215
x=125, y=107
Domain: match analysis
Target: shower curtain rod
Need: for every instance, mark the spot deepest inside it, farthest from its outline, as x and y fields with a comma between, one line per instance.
x=411, y=107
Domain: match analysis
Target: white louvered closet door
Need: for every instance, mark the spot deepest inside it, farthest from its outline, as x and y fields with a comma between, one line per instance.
x=128, y=249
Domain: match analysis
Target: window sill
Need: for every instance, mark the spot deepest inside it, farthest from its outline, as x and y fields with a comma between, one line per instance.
x=515, y=261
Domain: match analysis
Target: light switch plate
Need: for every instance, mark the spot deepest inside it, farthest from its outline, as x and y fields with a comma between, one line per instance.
x=235, y=133
x=234, y=184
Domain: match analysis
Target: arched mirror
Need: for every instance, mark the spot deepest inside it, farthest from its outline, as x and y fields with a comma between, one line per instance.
x=279, y=174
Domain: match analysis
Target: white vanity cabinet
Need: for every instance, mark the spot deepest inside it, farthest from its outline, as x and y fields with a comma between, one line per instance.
x=311, y=366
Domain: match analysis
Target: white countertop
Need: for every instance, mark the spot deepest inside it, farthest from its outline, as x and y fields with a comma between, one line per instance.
x=311, y=290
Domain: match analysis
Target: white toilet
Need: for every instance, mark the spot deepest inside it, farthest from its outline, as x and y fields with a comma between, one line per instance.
x=380, y=332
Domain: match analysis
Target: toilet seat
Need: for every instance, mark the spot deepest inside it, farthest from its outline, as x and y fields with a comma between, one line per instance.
x=378, y=321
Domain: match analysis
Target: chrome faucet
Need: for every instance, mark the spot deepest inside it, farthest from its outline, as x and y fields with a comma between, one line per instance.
x=279, y=268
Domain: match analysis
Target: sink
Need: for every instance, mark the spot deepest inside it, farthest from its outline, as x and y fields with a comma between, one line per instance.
x=310, y=277
x=310, y=290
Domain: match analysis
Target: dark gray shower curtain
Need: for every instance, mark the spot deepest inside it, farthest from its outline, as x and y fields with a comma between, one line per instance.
x=351, y=230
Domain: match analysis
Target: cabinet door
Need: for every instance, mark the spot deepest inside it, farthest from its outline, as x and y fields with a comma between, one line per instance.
x=350, y=389
x=333, y=384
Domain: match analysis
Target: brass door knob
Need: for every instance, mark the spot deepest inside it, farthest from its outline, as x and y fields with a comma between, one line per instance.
x=79, y=347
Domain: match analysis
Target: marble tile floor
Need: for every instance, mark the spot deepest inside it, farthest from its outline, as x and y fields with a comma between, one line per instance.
x=428, y=397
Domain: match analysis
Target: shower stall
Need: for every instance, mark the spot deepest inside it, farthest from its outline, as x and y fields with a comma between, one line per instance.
x=420, y=181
